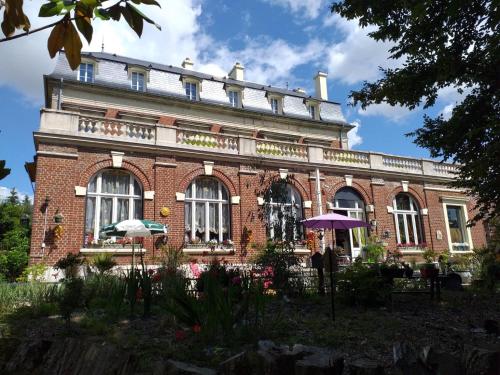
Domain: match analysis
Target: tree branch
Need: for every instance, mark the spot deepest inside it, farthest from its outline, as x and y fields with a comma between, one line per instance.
x=30, y=31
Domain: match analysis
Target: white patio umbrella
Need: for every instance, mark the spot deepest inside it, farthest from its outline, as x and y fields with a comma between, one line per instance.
x=134, y=228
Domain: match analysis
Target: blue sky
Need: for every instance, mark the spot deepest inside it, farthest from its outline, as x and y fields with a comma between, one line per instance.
x=280, y=42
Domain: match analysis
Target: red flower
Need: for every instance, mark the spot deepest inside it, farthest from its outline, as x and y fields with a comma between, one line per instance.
x=196, y=328
x=180, y=335
x=138, y=294
x=156, y=277
x=150, y=272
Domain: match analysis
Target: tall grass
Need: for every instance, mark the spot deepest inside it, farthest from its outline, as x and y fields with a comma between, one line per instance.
x=33, y=295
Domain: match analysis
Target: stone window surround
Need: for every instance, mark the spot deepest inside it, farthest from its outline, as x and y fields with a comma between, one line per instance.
x=86, y=60
x=315, y=104
x=461, y=202
x=270, y=96
x=137, y=69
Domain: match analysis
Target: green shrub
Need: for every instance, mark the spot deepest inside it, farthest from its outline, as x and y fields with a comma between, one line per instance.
x=103, y=262
x=70, y=298
x=373, y=252
x=12, y=263
x=359, y=285
x=31, y=295
x=33, y=273
x=70, y=264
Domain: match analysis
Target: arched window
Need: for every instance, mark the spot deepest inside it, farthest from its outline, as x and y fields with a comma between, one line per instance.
x=407, y=220
x=206, y=211
x=112, y=195
x=285, y=212
x=348, y=202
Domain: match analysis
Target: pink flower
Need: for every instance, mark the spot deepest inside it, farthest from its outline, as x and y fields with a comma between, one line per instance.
x=267, y=284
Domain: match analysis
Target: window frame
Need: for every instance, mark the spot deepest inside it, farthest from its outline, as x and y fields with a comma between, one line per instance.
x=414, y=211
x=136, y=87
x=293, y=204
x=357, y=211
x=466, y=232
x=94, y=70
x=220, y=203
x=99, y=195
x=279, y=103
x=315, y=107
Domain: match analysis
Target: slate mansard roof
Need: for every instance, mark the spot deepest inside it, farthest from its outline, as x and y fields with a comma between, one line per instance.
x=166, y=80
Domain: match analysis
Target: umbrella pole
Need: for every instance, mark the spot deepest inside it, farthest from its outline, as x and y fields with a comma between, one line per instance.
x=332, y=286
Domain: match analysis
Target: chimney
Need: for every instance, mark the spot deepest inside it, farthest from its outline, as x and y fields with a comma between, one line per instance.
x=321, y=88
x=300, y=90
x=188, y=64
x=237, y=72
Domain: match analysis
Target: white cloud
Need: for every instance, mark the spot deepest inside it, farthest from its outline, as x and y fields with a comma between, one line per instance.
x=353, y=137
x=5, y=193
x=357, y=57
x=393, y=113
x=447, y=111
x=308, y=8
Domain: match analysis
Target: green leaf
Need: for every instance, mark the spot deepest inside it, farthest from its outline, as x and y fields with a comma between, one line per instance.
x=150, y=2
x=83, y=20
x=143, y=16
x=84, y=26
x=101, y=14
x=133, y=19
x=90, y=3
x=114, y=12
x=72, y=46
x=51, y=9
x=56, y=39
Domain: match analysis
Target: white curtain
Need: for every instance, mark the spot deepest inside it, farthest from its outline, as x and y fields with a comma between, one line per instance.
x=106, y=211
x=90, y=215
x=122, y=207
x=213, y=218
x=200, y=217
x=113, y=183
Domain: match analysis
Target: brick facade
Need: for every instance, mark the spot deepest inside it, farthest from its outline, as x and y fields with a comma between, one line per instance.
x=58, y=175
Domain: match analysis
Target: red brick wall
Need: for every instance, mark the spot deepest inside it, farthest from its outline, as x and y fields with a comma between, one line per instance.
x=57, y=177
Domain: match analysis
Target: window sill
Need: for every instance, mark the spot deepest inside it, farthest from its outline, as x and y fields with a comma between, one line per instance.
x=207, y=251
x=410, y=250
x=96, y=250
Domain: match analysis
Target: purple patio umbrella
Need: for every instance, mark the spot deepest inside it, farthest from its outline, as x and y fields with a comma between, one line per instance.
x=333, y=221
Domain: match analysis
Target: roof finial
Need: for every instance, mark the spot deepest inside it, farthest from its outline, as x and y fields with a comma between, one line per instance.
x=102, y=45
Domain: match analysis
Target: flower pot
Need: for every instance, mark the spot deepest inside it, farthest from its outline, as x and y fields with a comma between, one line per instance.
x=428, y=273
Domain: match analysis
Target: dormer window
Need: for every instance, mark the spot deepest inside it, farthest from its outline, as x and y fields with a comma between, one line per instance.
x=137, y=81
x=275, y=107
x=234, y=98
x=86, y=72
x=276, y=103
x=191, y=90
x=313, y=109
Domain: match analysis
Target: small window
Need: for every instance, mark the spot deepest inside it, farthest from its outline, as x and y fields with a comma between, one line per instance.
x=86, y=72
x=191, y=90
x=275, y=105
x=313, y=111
x=457, y=230
x=234, y=99
x=137, y=81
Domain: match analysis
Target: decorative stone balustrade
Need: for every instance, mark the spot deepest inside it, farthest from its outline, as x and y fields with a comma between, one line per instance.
x=402, y=164
x=445, y=169
x=207, y=140
x=65, y=123
x=281, y=149
x=116, y=128
x=345, y=157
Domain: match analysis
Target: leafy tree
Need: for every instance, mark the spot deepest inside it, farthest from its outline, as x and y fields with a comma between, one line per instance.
x=4, y=172
x=74, y=16
x=14, y=236
x=448, y=43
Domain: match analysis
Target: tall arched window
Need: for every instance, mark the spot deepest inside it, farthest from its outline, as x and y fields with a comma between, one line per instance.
x=285, y=207
x=206, y=211
x=407, y=220
x=112, y=195
x=348, y=202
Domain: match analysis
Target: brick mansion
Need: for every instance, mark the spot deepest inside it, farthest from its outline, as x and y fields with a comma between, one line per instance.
x=121, y=138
